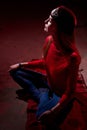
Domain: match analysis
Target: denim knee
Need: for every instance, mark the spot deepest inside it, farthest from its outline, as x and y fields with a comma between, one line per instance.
x=14, y=73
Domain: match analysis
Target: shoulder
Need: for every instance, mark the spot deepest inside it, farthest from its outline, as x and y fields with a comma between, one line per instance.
x=49, y=38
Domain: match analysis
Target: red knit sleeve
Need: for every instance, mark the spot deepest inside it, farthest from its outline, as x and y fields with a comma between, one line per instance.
x=36, y=63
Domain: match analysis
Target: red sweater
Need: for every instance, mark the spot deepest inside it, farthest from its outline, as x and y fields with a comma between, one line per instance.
x=61, y=69
x=56, y=66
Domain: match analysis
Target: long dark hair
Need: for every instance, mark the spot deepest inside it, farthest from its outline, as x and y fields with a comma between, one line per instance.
x=66, y=22
x=65, y=19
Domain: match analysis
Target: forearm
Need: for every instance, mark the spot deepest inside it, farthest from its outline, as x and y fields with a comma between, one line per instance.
x=23, y=64
x=36, y=63
x=33, y=64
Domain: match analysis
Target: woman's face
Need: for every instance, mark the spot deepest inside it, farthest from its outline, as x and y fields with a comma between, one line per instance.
x=48, y=24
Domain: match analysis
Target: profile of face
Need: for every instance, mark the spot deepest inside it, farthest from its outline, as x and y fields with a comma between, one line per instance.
x=48, y=23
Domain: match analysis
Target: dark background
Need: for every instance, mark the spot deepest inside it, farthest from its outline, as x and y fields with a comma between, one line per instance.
x=21, y=39
x=39, y=9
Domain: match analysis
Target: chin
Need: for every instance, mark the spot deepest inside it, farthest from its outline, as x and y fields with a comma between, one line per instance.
x=46, y=29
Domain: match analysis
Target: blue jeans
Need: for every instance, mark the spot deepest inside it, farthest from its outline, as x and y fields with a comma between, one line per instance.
x=37, y=87
x=46, y=102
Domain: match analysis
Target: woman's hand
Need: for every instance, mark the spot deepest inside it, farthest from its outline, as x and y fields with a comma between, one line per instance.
x=15, y=66
x=22, y=64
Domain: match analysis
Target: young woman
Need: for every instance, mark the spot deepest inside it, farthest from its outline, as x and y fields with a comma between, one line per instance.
x=60, y=61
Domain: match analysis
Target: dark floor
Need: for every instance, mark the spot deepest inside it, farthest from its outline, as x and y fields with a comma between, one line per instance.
x=22, y=40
